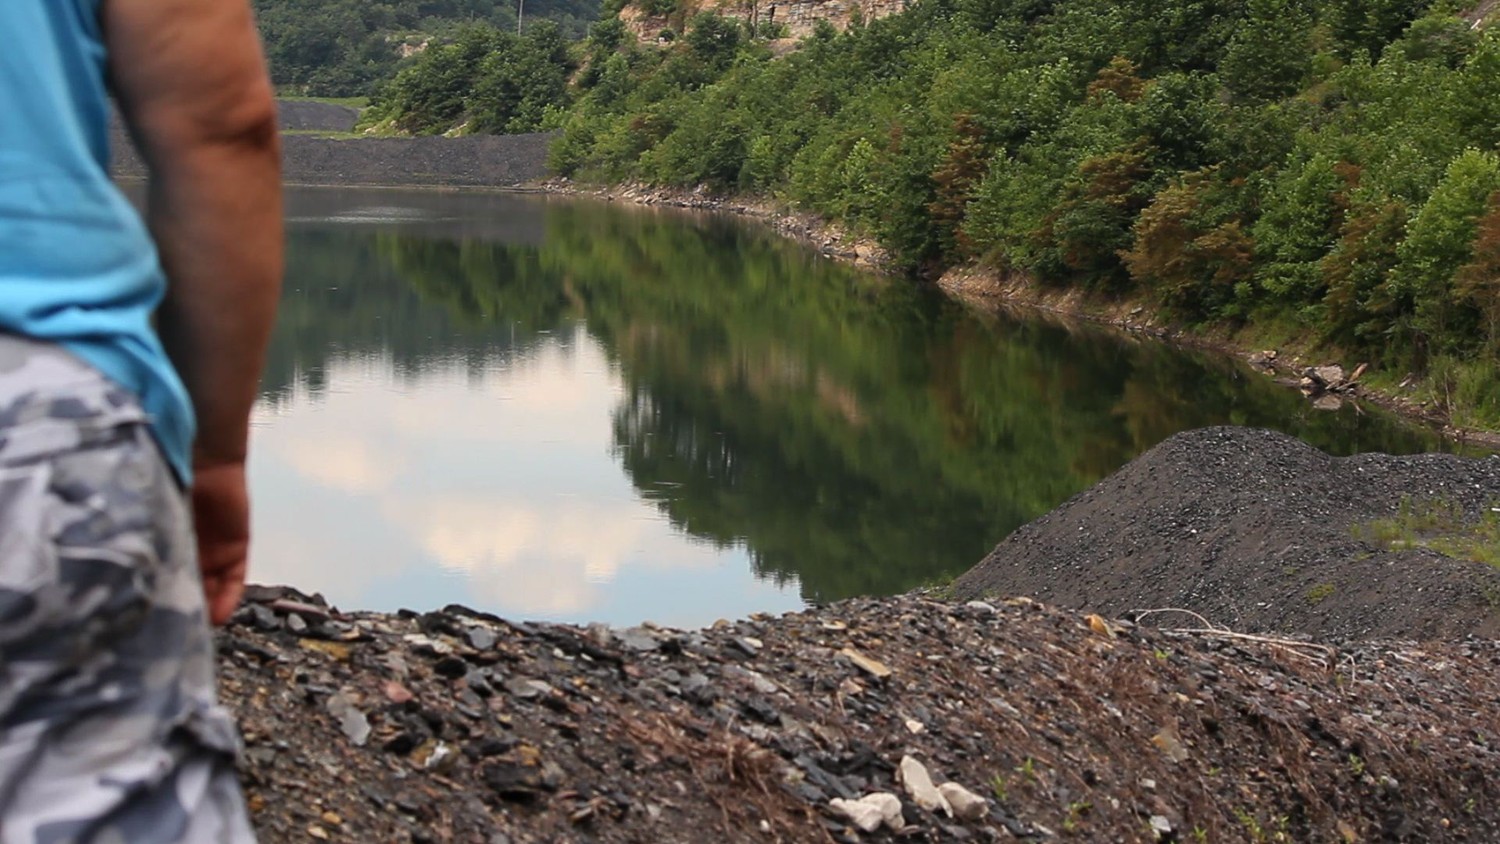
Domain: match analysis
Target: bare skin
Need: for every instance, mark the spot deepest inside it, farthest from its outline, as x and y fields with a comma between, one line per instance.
x=192, y=86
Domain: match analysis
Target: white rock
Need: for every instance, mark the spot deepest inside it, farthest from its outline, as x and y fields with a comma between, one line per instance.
x=919, y=785
x=869, y=812
x=966, y=805
x=864, y=816
x=890, y=808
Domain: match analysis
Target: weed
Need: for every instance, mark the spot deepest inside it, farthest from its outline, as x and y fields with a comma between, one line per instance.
x=1439, y=525
x=1200, y=834
x=1492, y=597
x=350, y=102
x=1076, y=810
x=1161, y=655
x=1251, y=825
x=1320, y=593
x=1001, y=789
x=1356, y=765
x=939, y=587
x=1027, y=769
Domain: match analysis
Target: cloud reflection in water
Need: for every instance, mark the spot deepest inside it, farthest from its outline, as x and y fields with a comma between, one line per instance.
x=494, y=488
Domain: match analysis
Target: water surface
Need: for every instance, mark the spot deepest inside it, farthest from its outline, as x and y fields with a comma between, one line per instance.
x=566, y=410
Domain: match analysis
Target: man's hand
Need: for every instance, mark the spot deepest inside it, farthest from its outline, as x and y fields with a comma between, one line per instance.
x=191, y=84
x=221, y=515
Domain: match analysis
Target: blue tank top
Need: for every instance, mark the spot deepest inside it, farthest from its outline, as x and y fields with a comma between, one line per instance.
x=77, y=266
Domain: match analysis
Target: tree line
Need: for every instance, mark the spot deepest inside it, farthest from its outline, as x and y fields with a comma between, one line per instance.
x=1317, y=169
x=346, y=48
x=1321, y=171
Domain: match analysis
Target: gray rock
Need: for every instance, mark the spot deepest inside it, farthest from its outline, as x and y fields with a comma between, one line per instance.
x=481, y=638
x=526, y=688
x=264, y=618
x=302, y=608
x=637, y=639
x=353, y=722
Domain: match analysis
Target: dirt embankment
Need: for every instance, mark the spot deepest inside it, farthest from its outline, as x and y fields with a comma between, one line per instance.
x=458, y=726
x=1260, y=532
x=479, y=161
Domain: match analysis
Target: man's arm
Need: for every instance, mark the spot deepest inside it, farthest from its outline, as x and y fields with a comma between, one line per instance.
x=191, y=83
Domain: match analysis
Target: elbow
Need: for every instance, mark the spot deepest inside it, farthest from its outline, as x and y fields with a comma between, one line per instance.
x=239, y=119
x=247, y=119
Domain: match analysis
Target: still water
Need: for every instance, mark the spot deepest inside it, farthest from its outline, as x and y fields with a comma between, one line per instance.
x=570, y=411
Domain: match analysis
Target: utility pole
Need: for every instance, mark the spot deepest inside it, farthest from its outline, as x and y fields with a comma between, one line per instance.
x=520, y=11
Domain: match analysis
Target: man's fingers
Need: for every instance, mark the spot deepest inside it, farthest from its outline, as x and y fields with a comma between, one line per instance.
x=223, y=591
x=221, y=515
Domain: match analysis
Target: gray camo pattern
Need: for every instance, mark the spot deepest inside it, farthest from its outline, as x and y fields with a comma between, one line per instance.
x=109, y=729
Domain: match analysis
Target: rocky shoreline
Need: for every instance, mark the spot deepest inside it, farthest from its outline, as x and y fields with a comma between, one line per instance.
x=907, y=719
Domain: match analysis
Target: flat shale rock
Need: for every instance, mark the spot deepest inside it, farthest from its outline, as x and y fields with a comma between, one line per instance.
x=1256, y=531
x=1048, y=726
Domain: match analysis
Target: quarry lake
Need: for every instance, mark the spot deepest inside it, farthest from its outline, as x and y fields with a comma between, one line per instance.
x=565, y=410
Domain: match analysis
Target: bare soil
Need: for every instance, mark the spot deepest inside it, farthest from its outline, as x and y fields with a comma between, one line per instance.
x=458, y=726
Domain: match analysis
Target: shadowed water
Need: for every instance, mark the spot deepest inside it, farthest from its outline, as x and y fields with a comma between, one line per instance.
x=566, y=410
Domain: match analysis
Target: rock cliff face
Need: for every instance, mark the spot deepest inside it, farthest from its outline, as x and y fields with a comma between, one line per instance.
x=795, y=18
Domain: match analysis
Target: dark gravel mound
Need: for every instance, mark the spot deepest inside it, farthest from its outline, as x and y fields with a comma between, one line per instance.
x=305, y=116
x=1255, y=530
x=475, y=161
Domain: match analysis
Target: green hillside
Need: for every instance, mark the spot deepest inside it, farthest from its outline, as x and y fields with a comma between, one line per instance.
x=1316, y=170
x=346, y=47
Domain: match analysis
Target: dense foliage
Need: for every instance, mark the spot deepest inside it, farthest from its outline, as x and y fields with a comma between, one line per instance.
x=485, y=80
x=1320, y=168
x=345, y=47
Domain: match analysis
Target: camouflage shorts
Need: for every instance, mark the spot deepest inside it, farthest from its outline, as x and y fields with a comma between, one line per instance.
x=109, y=730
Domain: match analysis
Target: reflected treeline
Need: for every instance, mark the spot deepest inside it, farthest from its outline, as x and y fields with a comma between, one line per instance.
x=345, y=299
x=861, y=436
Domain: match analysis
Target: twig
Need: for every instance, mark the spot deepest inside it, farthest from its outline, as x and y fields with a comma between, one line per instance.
x=1140, y=614
x=1295, y=646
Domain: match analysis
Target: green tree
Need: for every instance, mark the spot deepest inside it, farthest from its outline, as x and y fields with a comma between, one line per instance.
x=1438, y=242
x=1269, y=56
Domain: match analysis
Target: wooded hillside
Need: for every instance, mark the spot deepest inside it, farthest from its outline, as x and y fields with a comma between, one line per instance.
x=344, y=47
x=1314, y=169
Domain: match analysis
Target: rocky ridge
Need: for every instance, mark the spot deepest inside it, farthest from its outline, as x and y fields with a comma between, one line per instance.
x=904, y=719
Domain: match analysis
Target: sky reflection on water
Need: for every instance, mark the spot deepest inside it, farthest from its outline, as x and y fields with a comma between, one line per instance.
x=570, y=411
x=495, y=489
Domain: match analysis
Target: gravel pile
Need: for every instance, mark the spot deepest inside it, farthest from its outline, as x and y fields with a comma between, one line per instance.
x=474, y=161
x=311, y=116
x=1258, y=532
x=905, y=719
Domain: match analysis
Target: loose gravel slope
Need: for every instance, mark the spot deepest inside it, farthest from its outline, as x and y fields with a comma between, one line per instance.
x=1258, y=532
